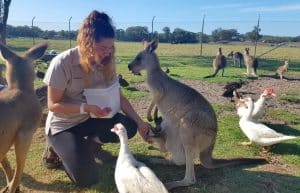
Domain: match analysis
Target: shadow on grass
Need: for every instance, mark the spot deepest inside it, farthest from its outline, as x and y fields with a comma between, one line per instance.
x=233, y=179
x=132, y=89
x=278, y=78
x=106, y=183
x=284, y=129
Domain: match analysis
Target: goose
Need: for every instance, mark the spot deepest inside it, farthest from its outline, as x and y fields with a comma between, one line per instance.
x=258, y=110
x=257, y=132
x=132, y=176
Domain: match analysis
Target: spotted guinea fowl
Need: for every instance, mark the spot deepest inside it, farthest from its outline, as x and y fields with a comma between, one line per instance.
x=130, y=174
x=231, y=87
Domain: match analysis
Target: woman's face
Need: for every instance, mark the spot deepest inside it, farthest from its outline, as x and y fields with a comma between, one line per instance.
x=103, y=51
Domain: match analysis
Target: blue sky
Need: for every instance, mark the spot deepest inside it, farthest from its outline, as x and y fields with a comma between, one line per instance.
x=278, y=17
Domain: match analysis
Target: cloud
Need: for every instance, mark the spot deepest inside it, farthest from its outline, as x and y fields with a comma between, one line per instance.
x=281, y=8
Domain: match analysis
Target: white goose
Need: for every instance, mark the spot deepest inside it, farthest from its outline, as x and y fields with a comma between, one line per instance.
x=257, y=132
x=132, y=176
x=258, y=110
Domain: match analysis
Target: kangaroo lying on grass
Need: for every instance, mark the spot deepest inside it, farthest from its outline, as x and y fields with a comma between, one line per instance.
x=187, y=113
x=20, y=111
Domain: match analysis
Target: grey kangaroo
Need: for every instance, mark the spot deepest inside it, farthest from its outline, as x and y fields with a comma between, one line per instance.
x=190, y=115
x=20, y=111
x=218, y=63
x=237, y=58
x=251, y=63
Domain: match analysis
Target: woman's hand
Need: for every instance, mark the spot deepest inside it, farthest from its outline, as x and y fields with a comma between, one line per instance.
x=97, y=111
x=144, y=129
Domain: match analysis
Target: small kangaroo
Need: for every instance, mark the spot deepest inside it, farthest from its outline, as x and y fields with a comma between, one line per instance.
x=282, y=69
x=20, y=111
x=251, y=63
x=218, y=63
x=191, y=117
x=237, y=58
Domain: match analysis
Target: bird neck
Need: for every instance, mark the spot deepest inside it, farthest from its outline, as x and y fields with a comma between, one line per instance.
x=261, y=100
x=124, y=144
x=248, y=113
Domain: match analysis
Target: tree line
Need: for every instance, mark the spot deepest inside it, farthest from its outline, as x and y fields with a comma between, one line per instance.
x=139, y=33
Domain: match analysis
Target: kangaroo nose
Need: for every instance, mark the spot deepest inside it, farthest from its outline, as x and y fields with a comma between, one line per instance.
x=129, y=67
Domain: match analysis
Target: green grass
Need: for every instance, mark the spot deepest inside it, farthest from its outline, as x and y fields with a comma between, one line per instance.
x=184, y=63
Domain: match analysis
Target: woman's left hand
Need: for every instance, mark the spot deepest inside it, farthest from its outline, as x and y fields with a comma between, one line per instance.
x=144, y=129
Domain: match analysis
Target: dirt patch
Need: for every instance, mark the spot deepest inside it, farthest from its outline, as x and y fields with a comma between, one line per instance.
x=213, y=93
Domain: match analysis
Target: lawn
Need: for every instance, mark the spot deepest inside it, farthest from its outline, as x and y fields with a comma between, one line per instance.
x=282, y=174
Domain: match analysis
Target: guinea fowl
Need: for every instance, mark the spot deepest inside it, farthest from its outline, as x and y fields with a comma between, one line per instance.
x=130, y=174
x=122, y=81
x=257, y=132
x=258, y=110
x=231, y=87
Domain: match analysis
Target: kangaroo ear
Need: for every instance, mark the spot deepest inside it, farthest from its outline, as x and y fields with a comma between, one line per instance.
x=6, y=54
x=36, y=51
x=152, y=46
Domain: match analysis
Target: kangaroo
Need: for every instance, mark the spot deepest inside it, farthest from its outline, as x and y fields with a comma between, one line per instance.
x=218, y=63
x=20, y=111
x=251, y=63
x=282, y=69
x=237, y=58
x=190, y=115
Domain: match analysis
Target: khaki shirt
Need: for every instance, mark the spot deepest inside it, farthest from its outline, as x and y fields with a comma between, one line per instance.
x=65, y=73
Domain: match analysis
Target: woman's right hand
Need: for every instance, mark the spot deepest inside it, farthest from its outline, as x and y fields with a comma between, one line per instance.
x=97, y=111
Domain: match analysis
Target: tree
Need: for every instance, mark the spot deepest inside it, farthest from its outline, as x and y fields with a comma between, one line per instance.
x=224, y=34
x=252, y=35
x=4, y=9
x=167, y=34
x=136, y=33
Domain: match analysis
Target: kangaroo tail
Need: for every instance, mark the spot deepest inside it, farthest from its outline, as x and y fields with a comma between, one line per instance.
x=209, y=162
x=214, y=74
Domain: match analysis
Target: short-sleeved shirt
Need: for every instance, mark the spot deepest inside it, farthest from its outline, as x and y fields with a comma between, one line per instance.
x=65, y=73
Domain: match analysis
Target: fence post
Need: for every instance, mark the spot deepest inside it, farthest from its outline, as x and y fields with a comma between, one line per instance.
x=70, y=31
x=201, y=35
x=33, y=42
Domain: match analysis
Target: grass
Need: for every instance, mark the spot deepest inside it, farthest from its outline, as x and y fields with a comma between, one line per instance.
x=184, y=63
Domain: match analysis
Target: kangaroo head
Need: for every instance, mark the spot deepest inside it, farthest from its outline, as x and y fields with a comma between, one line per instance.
x=19, y=69
x=247, y=51
x=230, y=54
x=219, y=51
x=286, y=62
x=145, y=59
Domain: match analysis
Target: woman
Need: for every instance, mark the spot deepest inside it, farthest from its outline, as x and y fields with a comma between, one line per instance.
x=68, y=124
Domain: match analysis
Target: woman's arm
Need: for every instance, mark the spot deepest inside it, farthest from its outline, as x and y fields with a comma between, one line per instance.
x=55, y=105
x=127, y=108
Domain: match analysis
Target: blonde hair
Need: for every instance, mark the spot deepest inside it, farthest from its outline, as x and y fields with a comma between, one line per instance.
x=96, y=27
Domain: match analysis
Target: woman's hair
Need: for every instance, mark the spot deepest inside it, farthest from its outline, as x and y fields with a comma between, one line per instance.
x=96, y=27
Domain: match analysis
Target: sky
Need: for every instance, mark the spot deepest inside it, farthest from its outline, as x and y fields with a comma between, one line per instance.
x=277, y=17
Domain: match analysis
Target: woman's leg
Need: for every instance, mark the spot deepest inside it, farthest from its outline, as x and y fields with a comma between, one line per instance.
x=76, y=157
x=101, y=128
